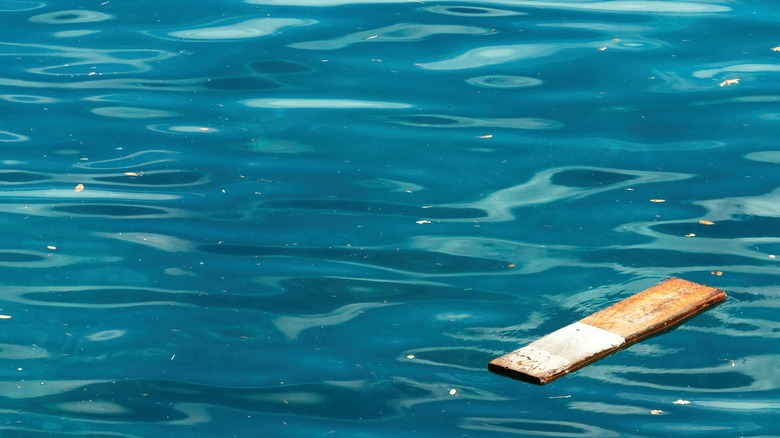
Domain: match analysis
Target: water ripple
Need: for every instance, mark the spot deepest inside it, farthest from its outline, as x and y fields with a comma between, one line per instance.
x=83, y=61
x=71, y=16
x=552, y=186
x=447, y=121
x=292, y=326
x=321, y=103
x=404, y=32
x=754, y=374
x=19, y=5
x=521, y=427
x=637, y=6
x=471, y=11
x=252, y=28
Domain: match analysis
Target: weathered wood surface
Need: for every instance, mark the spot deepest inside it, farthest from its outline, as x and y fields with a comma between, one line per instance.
x=604, y=332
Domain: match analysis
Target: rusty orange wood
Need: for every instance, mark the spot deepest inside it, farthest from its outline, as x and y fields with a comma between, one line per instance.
x=608, y=330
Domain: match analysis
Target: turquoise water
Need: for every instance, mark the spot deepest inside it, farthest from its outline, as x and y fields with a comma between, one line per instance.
x=324, y=217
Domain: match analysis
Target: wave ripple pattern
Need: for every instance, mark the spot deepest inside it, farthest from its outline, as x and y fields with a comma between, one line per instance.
x=324, y=217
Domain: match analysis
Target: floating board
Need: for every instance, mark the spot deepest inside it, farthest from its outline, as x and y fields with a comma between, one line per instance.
x=606, y=331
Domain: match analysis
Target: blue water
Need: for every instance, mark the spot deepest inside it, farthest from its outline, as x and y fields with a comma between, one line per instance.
x=323, y=218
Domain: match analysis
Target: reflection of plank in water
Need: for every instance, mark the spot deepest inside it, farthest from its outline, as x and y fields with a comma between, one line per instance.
x=607, y=330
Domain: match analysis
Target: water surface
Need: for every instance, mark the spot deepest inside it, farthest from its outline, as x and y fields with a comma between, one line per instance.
x=324, y=217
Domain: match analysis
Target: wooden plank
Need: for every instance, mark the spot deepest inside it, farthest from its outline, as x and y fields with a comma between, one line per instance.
x=608, y=330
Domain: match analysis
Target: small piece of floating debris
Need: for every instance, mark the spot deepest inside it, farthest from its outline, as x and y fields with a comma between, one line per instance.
x=606, y=331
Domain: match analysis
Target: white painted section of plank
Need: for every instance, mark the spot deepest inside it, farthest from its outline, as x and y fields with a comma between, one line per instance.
x=562, y=348
x=578, y=341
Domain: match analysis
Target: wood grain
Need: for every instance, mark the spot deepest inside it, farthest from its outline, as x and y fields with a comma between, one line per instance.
x=654, y=309
x=604, y=332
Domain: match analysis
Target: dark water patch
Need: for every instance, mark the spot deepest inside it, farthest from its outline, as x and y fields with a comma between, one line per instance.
x=99, y=296
x=407, y=260
x=225, y=216
x=278, y=67
x=721, y=380
x=64, y=17
x=375, y=207
x=427, y=120
x=111, y=210
x=20, y=257
x=743, y=327
x=744, y=226
x=656, y=257
x=508, y=427
x=241, y=83
x=589, y=178
x=246, y=333
x=269, y=146
x=468, y=11
x=21, y=177
x=312, y=295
